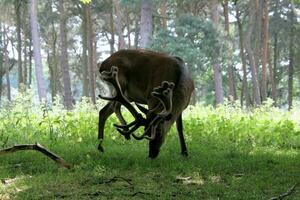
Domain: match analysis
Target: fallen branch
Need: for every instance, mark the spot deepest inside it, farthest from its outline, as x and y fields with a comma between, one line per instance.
x=39, y=148
x=289, y=192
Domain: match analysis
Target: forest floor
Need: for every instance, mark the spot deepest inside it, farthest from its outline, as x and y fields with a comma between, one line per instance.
x=211, y=171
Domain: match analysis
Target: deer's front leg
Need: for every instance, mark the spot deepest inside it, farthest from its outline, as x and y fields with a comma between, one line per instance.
x=104, y=113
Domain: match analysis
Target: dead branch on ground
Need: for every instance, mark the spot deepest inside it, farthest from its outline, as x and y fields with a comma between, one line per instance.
x=39, y=148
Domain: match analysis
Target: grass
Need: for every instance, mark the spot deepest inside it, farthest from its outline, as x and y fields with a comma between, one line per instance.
x=233, y=154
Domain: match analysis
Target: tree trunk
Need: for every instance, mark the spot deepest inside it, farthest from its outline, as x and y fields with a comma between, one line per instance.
x=291, y=58
x=30, y=61
x=248, y=47
x=90, y=52
x=85, y=80
x=275, y=62
x=25, y=51
x=216, y=63
x=265, y=48
x=128, y=27
x=17, y=5
x=64, y=62
x=163, y=13
x=122, y=44
x=230, y=71
x=37, y=51
x=146, y=22
x=2, y=50
x=245, y=91
x=112, y=28
x=53, y=63
x=136, y=33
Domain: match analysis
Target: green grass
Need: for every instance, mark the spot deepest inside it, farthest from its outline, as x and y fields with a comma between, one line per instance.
x=233, y=154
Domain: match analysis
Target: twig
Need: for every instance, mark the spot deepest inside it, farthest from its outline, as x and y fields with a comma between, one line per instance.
x=116, y=178
x=39, y=148
x=289, y=192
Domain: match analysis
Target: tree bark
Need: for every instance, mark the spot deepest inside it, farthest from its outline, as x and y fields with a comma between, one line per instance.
x=216, y=63
x=230, y=71
x=275, y=61
x=1, y=60
x=245, y=90
x=291, y=58
x=53, y=63
x=17, y=5
x=90, y=52
x=85, y=79
x=265, y=48
x=64, y=62
x=25, y=51
x=112, y=28
x=37, y=51
x=248, y=47
x=146, y=22
x=122, y=44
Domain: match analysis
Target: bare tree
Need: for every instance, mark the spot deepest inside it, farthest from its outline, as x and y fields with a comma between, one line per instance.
x=37, y=50
x=146, y=22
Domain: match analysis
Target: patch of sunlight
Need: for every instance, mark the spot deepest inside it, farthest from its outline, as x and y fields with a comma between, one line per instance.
x=215, y=178
x=11, y=186
x=275, y=151
x=195, y=179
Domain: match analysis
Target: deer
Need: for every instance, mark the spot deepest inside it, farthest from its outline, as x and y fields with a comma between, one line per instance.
x=157, y=80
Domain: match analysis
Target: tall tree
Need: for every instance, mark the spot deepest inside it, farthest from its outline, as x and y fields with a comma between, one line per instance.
x=119, y=25
x=245, y=90
x=64, y=62
x=146, y=22
x=85, y=81
x=17, y=5
x=265, y=49
x=248, y=47
x=89, y=28
x=216, y=63
x=37, y=51
x=291, y=56
x=230, y=71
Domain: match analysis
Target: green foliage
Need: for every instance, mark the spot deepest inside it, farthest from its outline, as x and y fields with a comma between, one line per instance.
x=198, y=43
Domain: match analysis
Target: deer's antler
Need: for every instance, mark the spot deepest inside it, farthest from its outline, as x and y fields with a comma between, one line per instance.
x=164, y=94
x=112, y=77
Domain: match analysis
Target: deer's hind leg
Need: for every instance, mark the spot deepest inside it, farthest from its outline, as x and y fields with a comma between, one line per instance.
x=179, y=126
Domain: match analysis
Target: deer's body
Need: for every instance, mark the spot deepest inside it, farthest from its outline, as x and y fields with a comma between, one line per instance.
x=139, y=71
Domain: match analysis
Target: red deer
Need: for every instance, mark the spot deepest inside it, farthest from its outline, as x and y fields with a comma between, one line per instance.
x=160, y=81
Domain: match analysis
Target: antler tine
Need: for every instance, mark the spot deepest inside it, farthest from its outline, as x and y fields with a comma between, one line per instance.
x=112, y=77
x=164, y=94
x=153, y=123
x=142, y=109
